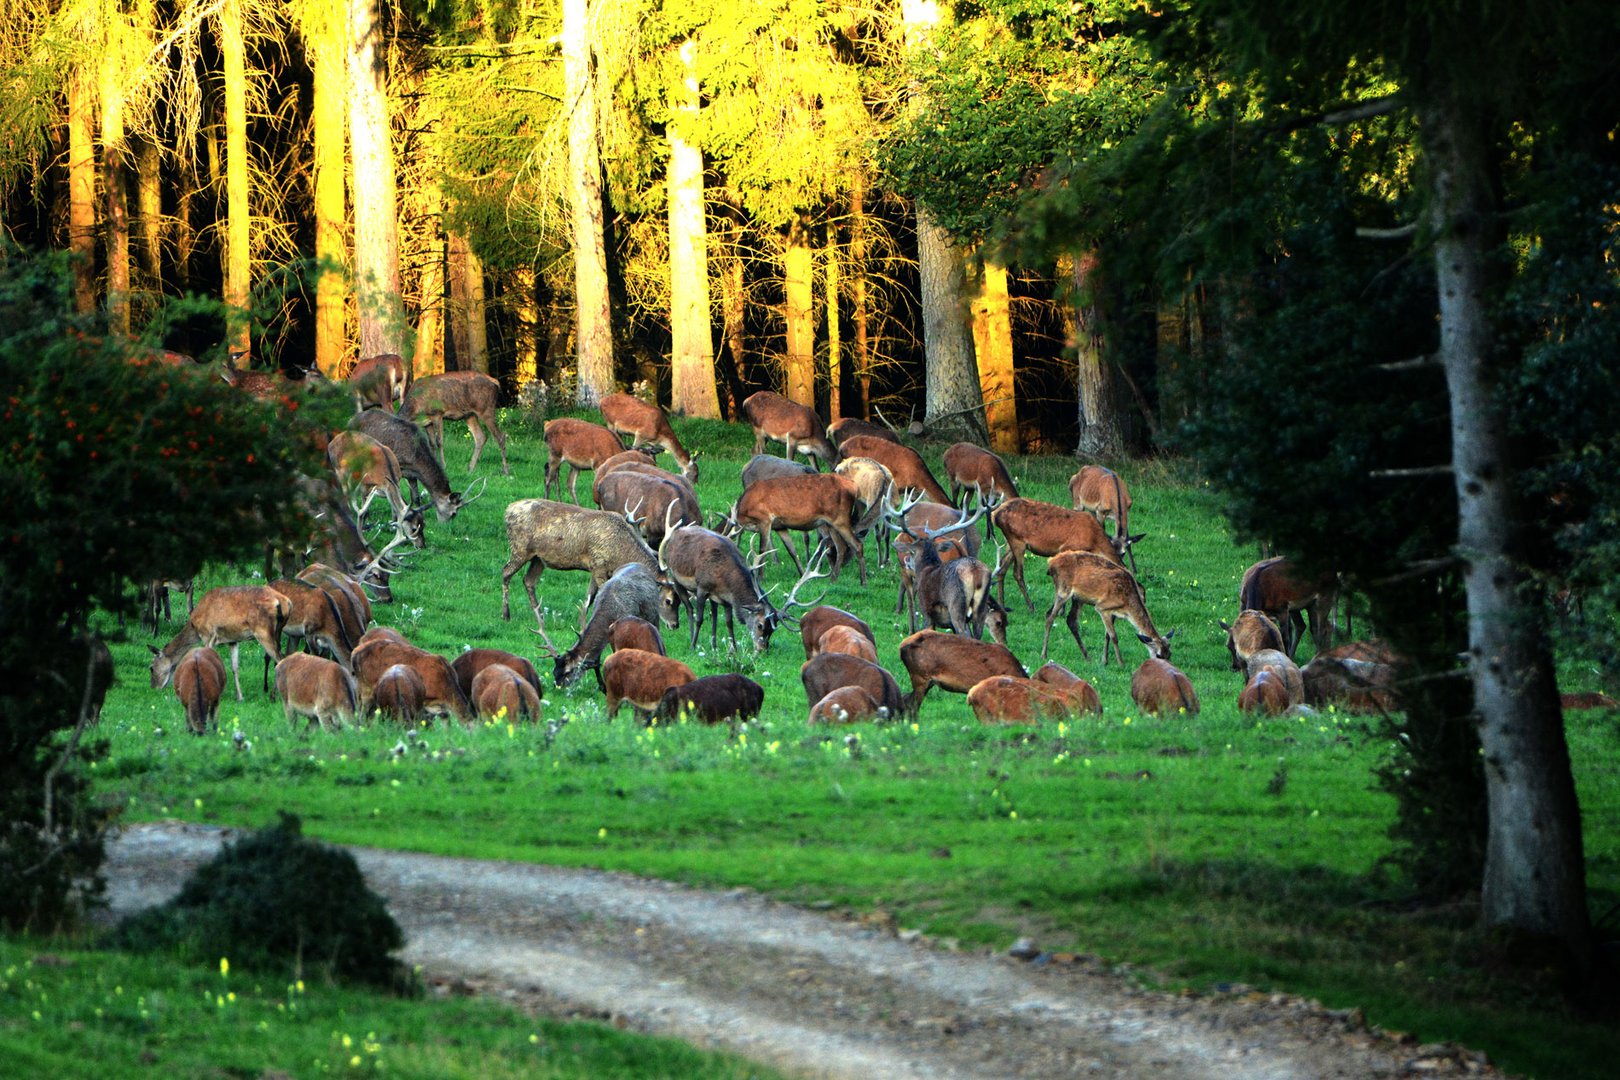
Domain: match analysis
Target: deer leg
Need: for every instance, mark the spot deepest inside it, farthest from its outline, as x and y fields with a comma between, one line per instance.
x=787, y=546
x=553, y=467
x=1046, y=639
x=531, y=577
x=731, y=628
x=476, y=430
x=1018, y=572
x=573, y=482
x=500, y=444
x=699, y=600
x=236, y=672
x=1110, y=637
x=759, y=441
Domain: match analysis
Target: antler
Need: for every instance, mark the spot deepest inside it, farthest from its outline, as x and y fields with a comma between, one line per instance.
x=547, y=648
x=630, y=514
x=791, y=599
x=480, y=484
x=664, y=541
x=935, y=534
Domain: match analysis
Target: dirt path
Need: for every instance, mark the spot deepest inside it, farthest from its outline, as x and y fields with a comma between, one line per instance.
x=810, y=994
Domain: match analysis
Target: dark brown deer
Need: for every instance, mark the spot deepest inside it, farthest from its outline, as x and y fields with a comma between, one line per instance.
x=647, y=425
x=348, y=596
x=315, y=687
x=973, y=468
x=1272, y=586
x=713, y=699
x=228, y=615
x=1081, y=579
x=458, y=395
x=1286, y=671
x=705, y=568
x=655, y=500
x=1246, y=635
x=641, y=678
x=847, y=427
x=952, y=662
x=580, y=445
x=199, y=683
x=1045, y=529
x=945, y=595
x=1359, y=677
x=821, y=618
x=632, y=590
x=913, y=519
x=271, y=384
x=814, y=502
x=632, y=632
x=314, y=618
x=1158, y=688
x=1100, y=491
x=542, y=533
x=467, y=666
x=418, y=463
x=795, y=426
x=157, y=600
x=399, y=694
x=380, y=381
x=363, y=467
x=905, y=465
x=1265, y=693
x=499, y=693
x=826, y=672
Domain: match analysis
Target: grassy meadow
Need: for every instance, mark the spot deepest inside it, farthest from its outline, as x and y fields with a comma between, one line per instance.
x=1202, y=851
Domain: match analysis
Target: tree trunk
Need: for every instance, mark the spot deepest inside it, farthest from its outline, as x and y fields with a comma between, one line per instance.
x=429, y=356
x=1101, y=432
x=526, y=306
x=238, y=213
x=1534, y=874
x=952, y=398
x=692, y=389
x=82, y=189
x=593, y=313
x=461, y=342
x=114, y=149
x=858, y=310
x=798, y=273
x=835, y=332
x=474, y=298
x=149, y=214
x=331, y=137
x=376, y=220
x=733, y=307
x=993, y=343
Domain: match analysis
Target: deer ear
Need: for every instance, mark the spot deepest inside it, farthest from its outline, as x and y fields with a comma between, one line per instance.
x=1224, y=625
x=1147, y=640
x=1170, y=635
x=1133, y=539
x=155, y=650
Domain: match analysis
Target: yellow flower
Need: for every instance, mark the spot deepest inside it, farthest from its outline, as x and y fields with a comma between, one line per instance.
x=224, y=966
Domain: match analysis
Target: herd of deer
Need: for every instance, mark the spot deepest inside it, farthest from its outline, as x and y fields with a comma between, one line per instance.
x=651, y=557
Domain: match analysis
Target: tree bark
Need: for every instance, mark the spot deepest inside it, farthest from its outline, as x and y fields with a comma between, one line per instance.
x=526, y=307
x=1101, y=432
x=149, y=214
x=376, y=219
x=692, y=389
x=461, y=343
x=114, y=150
x=593, y=336
x=799, y=317
x=993, y=344
x=475, y=312
x=429, y=355
x=331, y=140
x=835, y=331
x=859, y=315
x=952, y=397
x=238, y=213
x=82, y=189
x=1534, y=872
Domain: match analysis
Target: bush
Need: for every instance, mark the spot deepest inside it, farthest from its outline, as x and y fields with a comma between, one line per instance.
x=275, y=901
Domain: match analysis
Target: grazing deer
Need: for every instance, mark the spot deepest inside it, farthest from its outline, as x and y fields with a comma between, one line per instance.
x=580, y=445
x=1082, y=695
x=817, y=501
x=826, y=672
x=1287, y=672
x=1158, y=688
x=363, y=467
x=498, y=692
x=847, y=705
x=1359, y=677
x=821, y=618
x=795, y=426
x=632, y=590
x=654, y=500
x=1007, y=699
x=542, y=533
x=399, y=694
x=418, y=462
x=641, y=678
x=1264, y=692
x=647, y=425
x=713, y=699
x=847, y=427
x=704, y=567
x=952, y=662
x=1270, y=586
x=441, y=692
x=846, y=639
x=973, y=468
x=1081, y=578
x=348, y=597
x=632, y=632
x=199, y=682
x=1250, y=632
x=946, y=595
x=1101, y=491
x=315, y=687
x=905, y=465
x=1030, y=525
x=314, y=618
x=458, y=395
x=157, y=600
x=770, y=467
x=467, y=666
x=381, y=381
x=228, y=615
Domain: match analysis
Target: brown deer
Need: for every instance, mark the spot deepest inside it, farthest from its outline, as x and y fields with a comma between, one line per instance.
x=399, y=694
x=363, y=467
x=1082, y=695
x=382, y=381
x=816, y=501
x=1265, y=693
x=580, y=445
x=847, y=427
x=641, y=678
x=1246, y=635
x=348, y=597
x=1271, y=586
x=705, y=568
x=973, y=468
x=542, y=533
x=458, y=395
x=441, y=693
x=467, y=666
x=1287, y=672
x=1359, y=676
x=945, y=595
x=1045, y=529
x=655, y=500
x=418, y=463
x=315, y=687
x=952, y=662
x=913, y=519
x=1080, y=578
x=770, y=467
x=846, y=639
x=499, y=693
x=265, y=384
x=795, y=426
x=632, y=590
x=713, y=699
x=826, y=672
x=157, y=600
x=228, y=615
x=1007, y=699
x=314, y=618
x=905, y=465
x=647, y=425
x=199, y=682
x=632, y=632
x=1158, y=688
x=821, y=618
x=1101, y=491
x=874, y=485
x=847, y=705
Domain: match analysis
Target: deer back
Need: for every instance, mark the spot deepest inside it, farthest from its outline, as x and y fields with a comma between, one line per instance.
x=826, y=672
x=970, y=466
x=821, y=618
x=417, y=459
x=641, y=678
x=499, y=692
x=199, y=680
x=581, y=443
x=1158, y=689
x=955, y=661
x=907, y=467
x=713, y=699
x=770, y=467
x=452, y=395
x=1248, y=634
x=845, y=705
x=1264, y=692
x=399, y=693
x=634, y=632
x=1007, y=699
x=467, y=666
x=847, y=427
x=1046, y=529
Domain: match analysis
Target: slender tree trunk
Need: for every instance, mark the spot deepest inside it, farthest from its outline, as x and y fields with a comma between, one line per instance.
x=429, y=357
x=993, y=343
x=593, y=313
x=526, y=307
x=238, y=213
x=376, y=220
x=799, y=316
x=835, y=330
x=859, y=311
x=733, y=307
x=114, y=151
x=461, y=344
x=82, y=189
x=692, y=389
x=475, y=298
x=952, y=397
x=185, y=235
x=149, y=213
x=331, y=137
x=1534, y=873
x=1101, y=434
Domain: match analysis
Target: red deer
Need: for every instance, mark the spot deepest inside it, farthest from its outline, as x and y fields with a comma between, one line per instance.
x=795, y=426
x=315, y=687
x=399, y=694
x=381, y=380
x=1159, y=689
x=1264, y=692
x=199, y=682
x=265, y=384
x=847, y=705
x=314, y=618
x=826, y=672
x=1030, y=525
x=441, y=693
x=907, y=467
x=952, y=662
x=647, y=425
x=417, y=461
x=382, y=633
x=874, y=485
x=915, y=517
x=770, y=467
x=1080, y=578
x=847, y=427
x=633, y=456
x=1246, y=635
x=1271, y=586
x=847, y=639
x=704, y=567
x=713, y=699
x=946, y=595
x=1007, y=699
x=654, y=499
x=632, y=632
x=542, y=533
x=1358, y=677
x=470, y=663
x=1278, y=663
x=973, y=468
x=1102, y=492
x=641, y=678
x=632, y=590
x=363, y=467
x=1082, y=695
x=818, y=501
x=157, y=600
x=580, y=445
x=818, y=620
x=499, y=693
x=228, y=615
x=348, y=597
x=458, y=395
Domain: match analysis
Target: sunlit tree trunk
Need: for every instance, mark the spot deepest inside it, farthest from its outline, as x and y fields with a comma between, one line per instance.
x=733, y=306
x=993, y=343
x=526, y=307
x=692, y=389
x=1101, y=434
x=474, y=311
x=185, y=234
x=376, y=224
x=238, y=213
x=149, y=213
x=114, y=150
x=455, y=263
x=798, y=266
x=593, y=337
x=835, y=330
x=327, y=27
x=859, y=312
x=429, y=357
x=82, y=189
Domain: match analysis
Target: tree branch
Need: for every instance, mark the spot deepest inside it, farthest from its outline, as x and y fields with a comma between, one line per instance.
x=1422, y=470
x=1409, y=365
x=1399, y=232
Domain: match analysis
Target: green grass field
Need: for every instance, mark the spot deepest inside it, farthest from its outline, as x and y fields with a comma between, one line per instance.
x=1208, y=850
